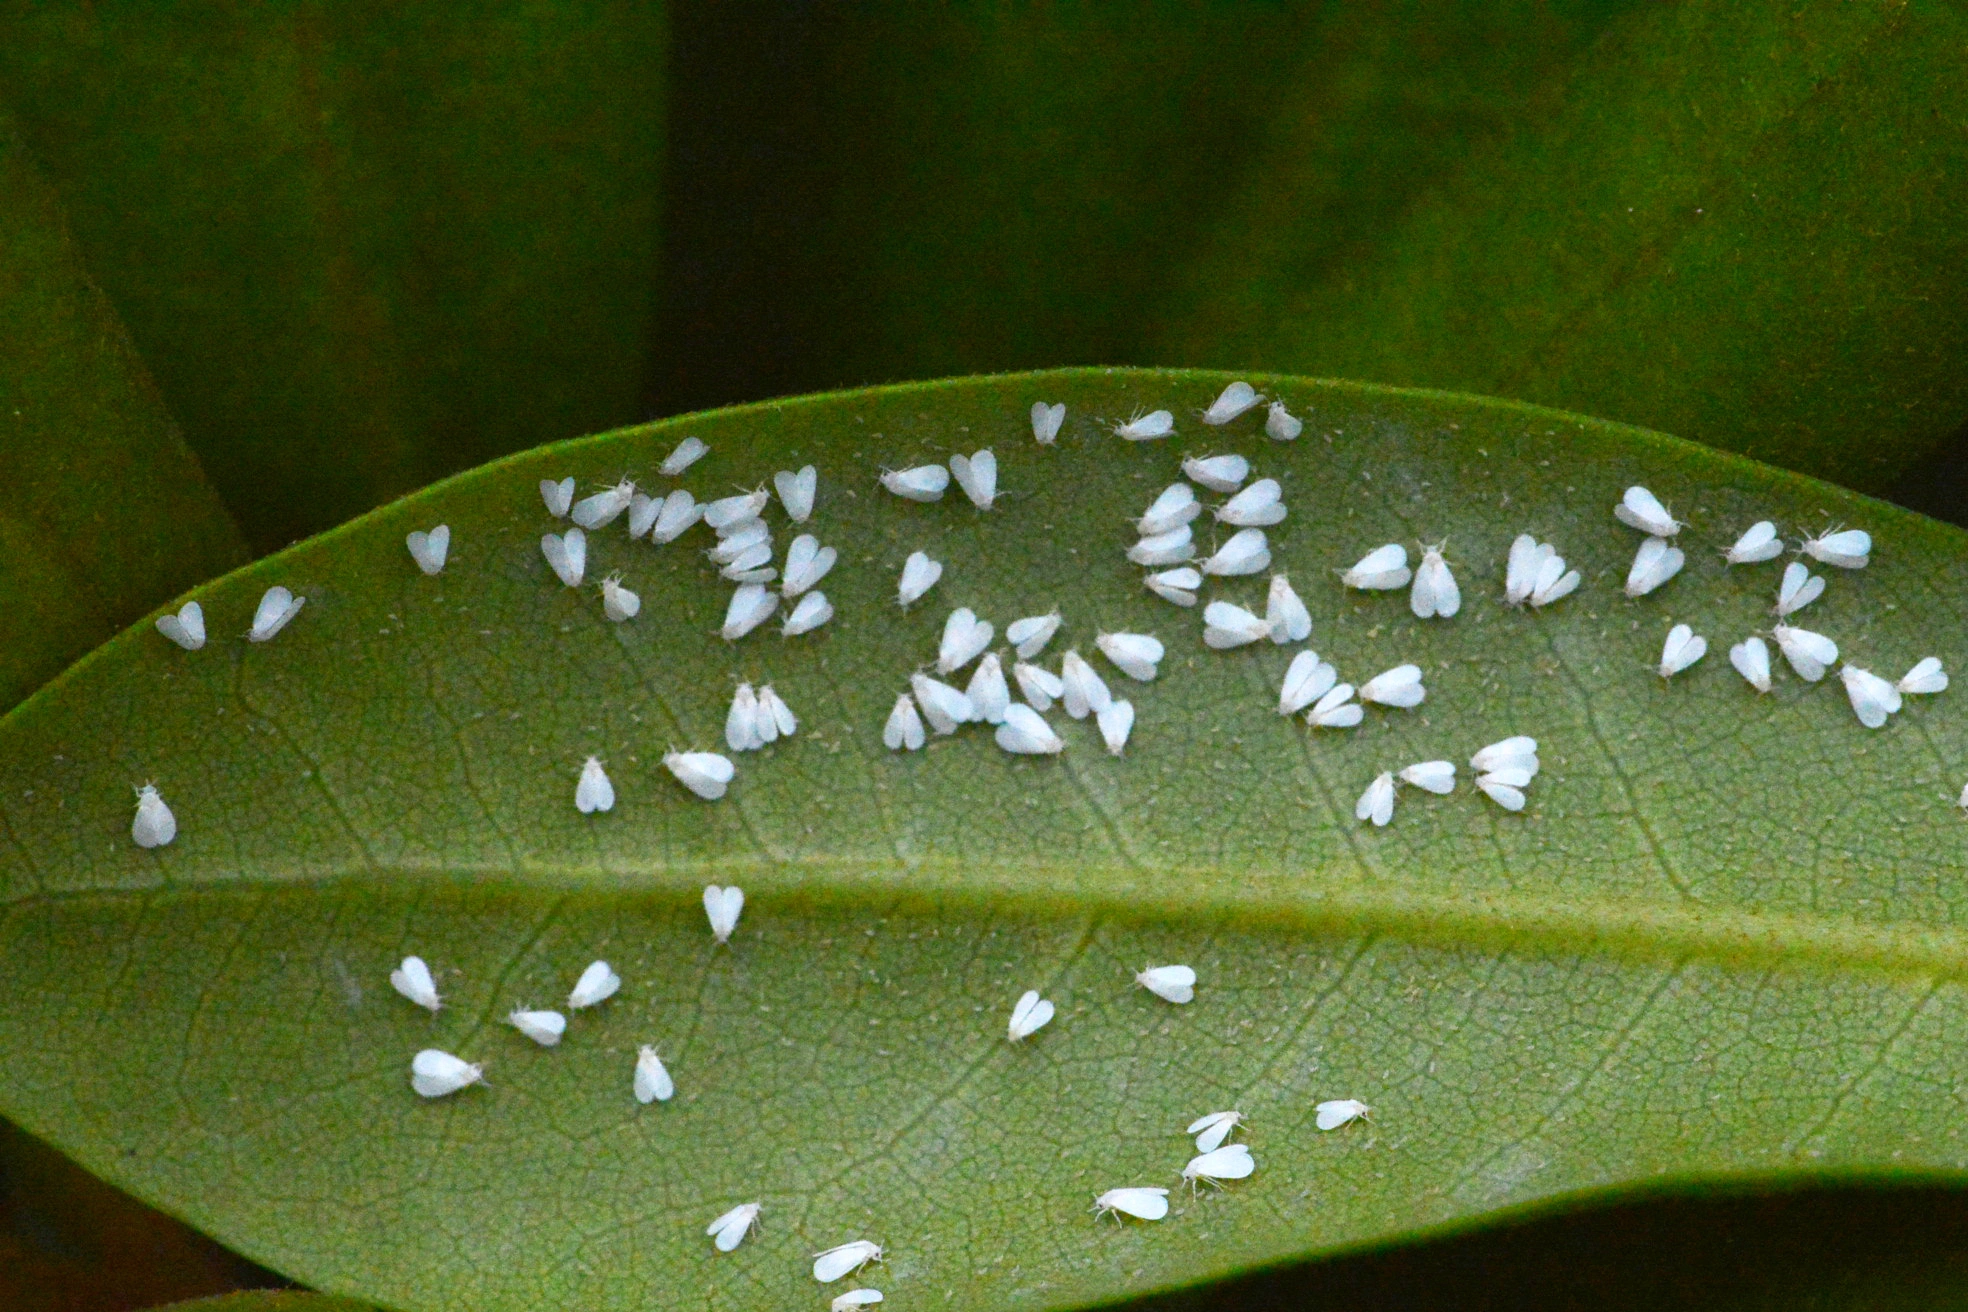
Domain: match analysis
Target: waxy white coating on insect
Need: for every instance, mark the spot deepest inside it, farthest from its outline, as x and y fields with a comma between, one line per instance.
x=593, y=792
x=1213, y=1129
x=751, y=557
x=775, y=718
x=1231, y=1162
x=812, y=611
x=1339, y=1111
x=1170, y=548
x=1133, y=654
x=543, y=1027
x=1377, y=803
x=688, y=452
x=559, y=497
x=990, y=695
x=943, y=706
x=854, y=1298
x=1516, y=753
x=567, y=555
x=1336, y=709
x=1400, y=686
x=1245, y=553
x=1846, y=548
x=1029, y=1015
x=729, y=513
x=964, y=639
x=1257, y=506
x=1683, y=648
x=598, y=983
x=1176, y=506
x=919, y=575
x=730, y=1229
x=643, y=510
x=1169, y=983
x=1810, y=654
x=706, y=774
x=652, y=1078
x=837, y=1262
x=741, y=732
x=617, y=602
x=1285, y=612
x=1434, y=592
x=1141, y=1203
x=602, y=509
x=904, y=729
x=1024, y=732
x=977, y=475
x=1873, y=698
x=1306, y=681
x=435, y=1073
x=1029, y=636
x=1505, y=787
x=1800, y=587
x=796, y=489
x=186, y=628
x=1432, y=776
x=277, y=606
x=1527, y=554
x=1232, y=401
x=1227, y=625
x=1381, y=570
x=1281, y=425
x=922, y=483
x=1046, y=420
x=1177, y=585
x=1654, y=563
x=1116, y=723
x=749, y=535
x=721, y=908
x=1554, y=581
x=413, y=980
x=807, y=562
x=680, y=511
x=1751, y=657
x=1146, y=428
x=1081, y=688
x=1925, y=677
x=430, y=549
x=1217, y=473
x=1962, y=801
x=759, y=573
x=1038, y=685
x=750, y=607
x=1641, y=509
x=154, y=824
x=1759, y=542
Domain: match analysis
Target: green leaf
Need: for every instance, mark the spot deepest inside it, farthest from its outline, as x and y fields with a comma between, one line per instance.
x=107, y=512
x=1722, y=942
x=360, y=245
x=1729, y=225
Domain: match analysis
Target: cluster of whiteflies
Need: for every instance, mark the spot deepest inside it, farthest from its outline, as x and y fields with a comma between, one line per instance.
x=1503, y=771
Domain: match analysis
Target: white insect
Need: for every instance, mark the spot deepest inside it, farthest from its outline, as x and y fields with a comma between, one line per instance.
x=977, y=475
x=1962, y=801
x=1169, y=983
x=1306, y=681
x=154, y=825
x=854, y=1298
x=652, y=1078
x=186, y=628
x=643, y=510
x=1280, y=425
x=617, y=602
x=1227, y=625
x=1810, y=654
x=413, y=980
x=1505, y=786
x=722, y=907
x=706, y=774
x=1141, y=1203
x=1434, y=592
x=1081, y=687
x=1518, y=753
x=1381, y=570
x=1377, y=803
x=1176, y=506
x=1400, y=686
x=1339, y=1111
x=277, y=607
x=741, y=540
x=1873, y=698
x=430, y=549
x=1046, y=420
x=807, y=562
x=1038, y=685
x=593, y=792
x=1024, y=732
x=1683, y=648
x=558, y=496
x=598, y=983
x=731, y=512
x=604, y=507
x=688, y=452
x=1212, y=1130
x=1146, y=428
x=1925, y=677
x=1433, y=776
x=919, y=575
x=1847, y=548
x=837, y=1262
x=1245, y=553
x=434, y=1073
x=1116, y=722
x=1217, y=473
x=922, y=483
x=1336, y=709
x=1231, y=1162
x=812, y=611
x=1133, y=654
x=751, y=605
x=680, y=511
x=1029, y=636
x=1653, y=564
x=989, y=694
x=1232, y=401
x=904, y=730
x=943, y=706
x=964, y=639
x=1799, y=589
x=754, y=569
x=1029, y=1015
x=741, y=722
x=1285, y=612
x=543, y=1027
x=730, y=1229
x=567, y=555
x=1257, y=506
x=1751, y=657
x=1642, y=510
x=775, y=718
x=1177, y=585
x=1759, y=542
x=796, y=490
x=1170, y=548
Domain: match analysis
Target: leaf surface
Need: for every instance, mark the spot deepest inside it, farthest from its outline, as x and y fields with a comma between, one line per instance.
x=1722, y=941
